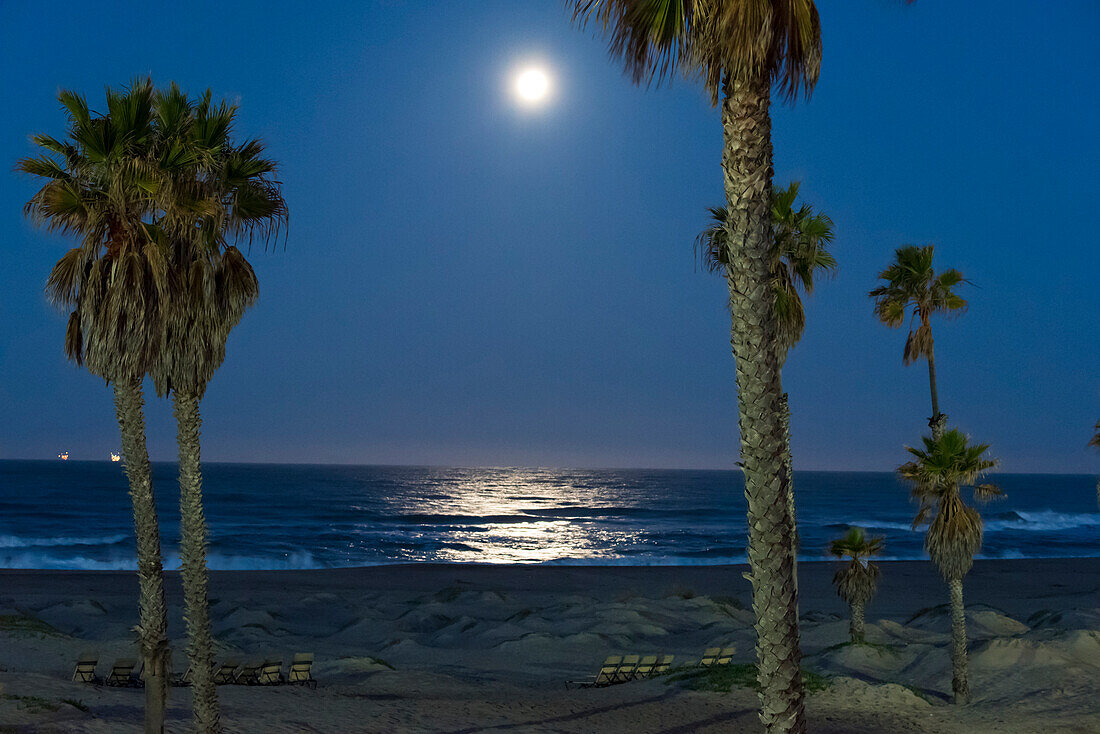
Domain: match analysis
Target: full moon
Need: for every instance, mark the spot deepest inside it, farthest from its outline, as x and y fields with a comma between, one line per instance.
x=532, y=85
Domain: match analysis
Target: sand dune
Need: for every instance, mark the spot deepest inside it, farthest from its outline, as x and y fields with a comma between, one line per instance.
x=469, y=649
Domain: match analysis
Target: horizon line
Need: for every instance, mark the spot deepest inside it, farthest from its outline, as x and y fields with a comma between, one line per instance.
x=524, y=466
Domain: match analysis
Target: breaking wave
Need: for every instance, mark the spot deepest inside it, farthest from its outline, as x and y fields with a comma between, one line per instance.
x=15, y=541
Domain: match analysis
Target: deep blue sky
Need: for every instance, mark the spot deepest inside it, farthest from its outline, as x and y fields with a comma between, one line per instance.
x=467, y=282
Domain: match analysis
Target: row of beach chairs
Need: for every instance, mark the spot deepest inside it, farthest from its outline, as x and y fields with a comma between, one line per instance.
x=623, y=668
x=255, y=672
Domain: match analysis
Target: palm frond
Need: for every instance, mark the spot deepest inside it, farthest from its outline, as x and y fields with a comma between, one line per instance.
x=76, y=106
x=779, y=42
x=856, y=545
x=711, y=244
x=911, y=282
x=799, y=254
x=857, y=582
x=988, y=493
x=935, y=476
x=74, y=339
x=650, y=37
x=42, y=165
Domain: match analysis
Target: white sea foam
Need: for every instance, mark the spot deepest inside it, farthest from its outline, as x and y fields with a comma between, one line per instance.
x=37, y=560
x=1019, y=520
x=1041, y=520
x=15, y=541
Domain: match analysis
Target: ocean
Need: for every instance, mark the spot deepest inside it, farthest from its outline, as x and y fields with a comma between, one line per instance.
x=76, y=515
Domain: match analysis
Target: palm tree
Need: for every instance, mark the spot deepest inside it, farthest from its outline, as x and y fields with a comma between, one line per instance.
x=740, y=50
x=910, y=282
x=98, y=189
x=798, y=253
x=857, y=581
x=955, y=529
x=221, y=191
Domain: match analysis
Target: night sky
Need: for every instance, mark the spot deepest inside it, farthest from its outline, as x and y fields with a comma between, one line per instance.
x=470, y=282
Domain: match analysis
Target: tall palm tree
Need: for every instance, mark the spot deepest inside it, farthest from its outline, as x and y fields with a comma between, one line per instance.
x=220, y=192
x=910, y=283
x=98, y=186
x=799, y=252
x=954, y=535
x=857, y=580
x=740, y=50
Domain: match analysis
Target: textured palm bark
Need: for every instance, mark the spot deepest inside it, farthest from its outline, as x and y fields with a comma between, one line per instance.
x=747, y=165
x=788, y=466
x=152, y=610
x=960, y=685
x=938, y=421
x=855, y=624
x=200, y=641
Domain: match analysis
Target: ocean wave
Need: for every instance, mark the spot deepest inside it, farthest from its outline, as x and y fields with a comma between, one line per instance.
x=15, y=541
x=283, y=561
x=306, y=561
x=1040, y=520
x=215, y=562
x=45, y=561
x=868, y=525
x=1019, y=520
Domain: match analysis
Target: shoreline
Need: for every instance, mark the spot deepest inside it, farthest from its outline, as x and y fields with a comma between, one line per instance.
x=469, y=647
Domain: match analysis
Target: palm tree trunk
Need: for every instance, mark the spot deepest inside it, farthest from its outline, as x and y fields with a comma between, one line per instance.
x=938, y=421
x=200, y=641
x=152, y=610
x=788, y=466
x=960, y=686
x=855, y=625
x=747, y=164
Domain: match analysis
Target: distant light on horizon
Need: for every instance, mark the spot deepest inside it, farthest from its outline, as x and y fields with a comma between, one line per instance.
x=532, y=85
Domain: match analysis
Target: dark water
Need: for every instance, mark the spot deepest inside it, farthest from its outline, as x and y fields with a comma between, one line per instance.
x=77, y=515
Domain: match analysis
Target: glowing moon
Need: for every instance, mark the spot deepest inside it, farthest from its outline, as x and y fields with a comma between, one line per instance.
x=532, y=85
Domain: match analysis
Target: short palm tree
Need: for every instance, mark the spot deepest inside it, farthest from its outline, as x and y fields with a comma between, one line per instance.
x=98, y=188
x=936, y=474
x=857, y=580
x=801, y=238
x=220, y=191
x=741, y=50
x=911, y=284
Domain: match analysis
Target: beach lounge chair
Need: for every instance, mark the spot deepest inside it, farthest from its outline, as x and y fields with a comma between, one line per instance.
x=227, y=673
x=249, y=673
x=710, y=655
x=301, y=670
x=663, y=664
x=602, y=678
x=627, y=669
x=183, y=680
x=271, y=673
x=726, y=656
x=85, y=668
x=122, y=674
x=645, y=667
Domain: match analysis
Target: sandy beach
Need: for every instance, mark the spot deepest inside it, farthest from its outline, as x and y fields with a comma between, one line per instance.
x=448, y=648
